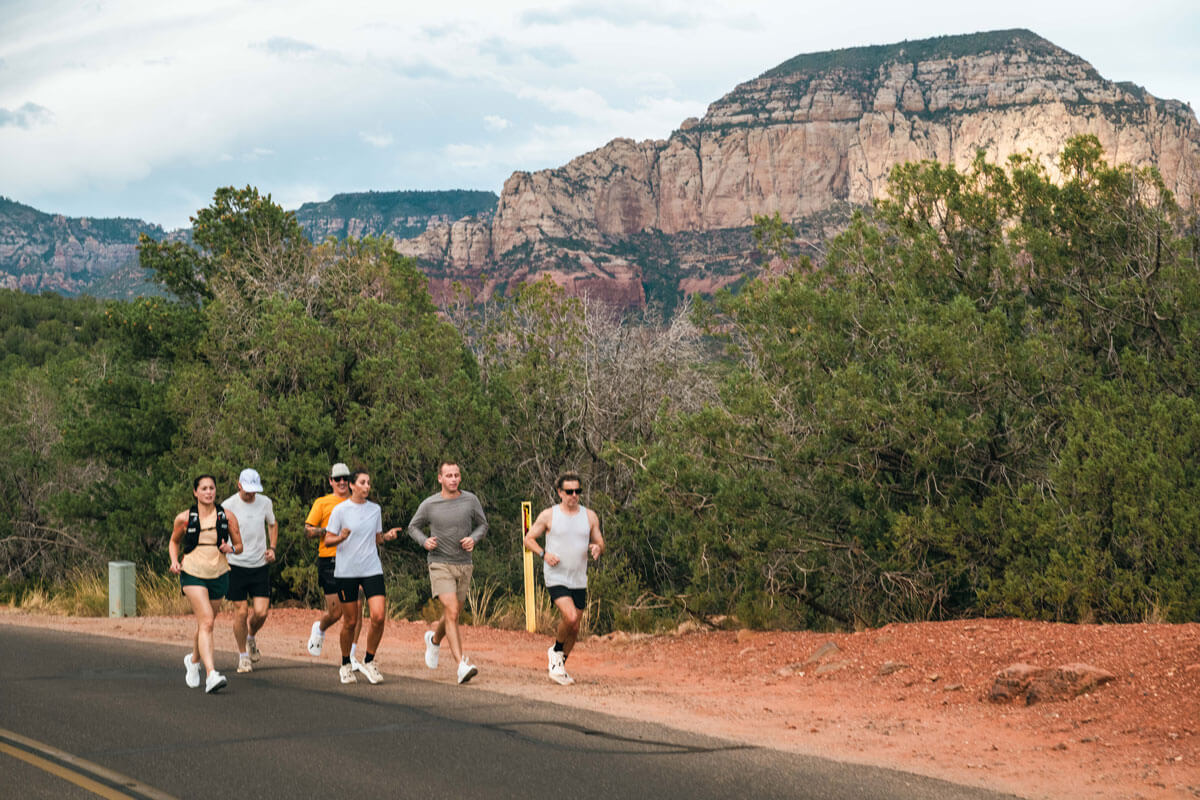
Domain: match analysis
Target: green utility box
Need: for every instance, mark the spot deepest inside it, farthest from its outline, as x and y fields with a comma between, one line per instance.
x=122, y=594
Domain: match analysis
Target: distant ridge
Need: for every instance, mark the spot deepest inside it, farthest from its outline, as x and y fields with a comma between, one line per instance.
x=400, y=214
x=463, y=202
x=15, y=212
x=870, y=58
x=51, y=252
x=40, y=251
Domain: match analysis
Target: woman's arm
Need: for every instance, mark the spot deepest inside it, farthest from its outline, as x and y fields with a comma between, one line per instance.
x=176, y=539
x=235, y=534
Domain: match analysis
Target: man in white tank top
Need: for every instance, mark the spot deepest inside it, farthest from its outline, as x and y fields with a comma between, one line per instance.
x=572, y=534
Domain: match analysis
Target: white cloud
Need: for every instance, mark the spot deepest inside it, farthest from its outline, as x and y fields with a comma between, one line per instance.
x=292, y=196
x=544, y=146
x=377, y=139
x=27, y=116
x=286, y=47
x=469, y=156
x=495, y=123
x=619, y=14
x=645, y=117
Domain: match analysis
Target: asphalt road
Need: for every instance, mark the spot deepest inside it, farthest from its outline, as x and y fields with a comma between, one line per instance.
x=76, y=709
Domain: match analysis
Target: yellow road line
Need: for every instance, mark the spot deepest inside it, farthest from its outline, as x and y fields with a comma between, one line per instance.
x=65, y=774
x=75, y=770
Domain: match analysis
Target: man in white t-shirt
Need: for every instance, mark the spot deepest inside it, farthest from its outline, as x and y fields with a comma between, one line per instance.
x=572, y=534
x=356, y=529
x=249, y=575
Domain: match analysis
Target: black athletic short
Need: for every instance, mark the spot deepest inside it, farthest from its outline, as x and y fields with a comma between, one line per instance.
x=248, y=582
x=579, y=596
x=325, y=579
x=348, y=587
x=217, y=587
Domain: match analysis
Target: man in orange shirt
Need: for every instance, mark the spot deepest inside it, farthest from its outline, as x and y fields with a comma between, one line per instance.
x=314, y=528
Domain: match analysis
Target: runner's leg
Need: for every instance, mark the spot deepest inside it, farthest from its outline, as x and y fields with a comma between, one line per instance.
x=568, y=626
x=349, y=612
x=448, y=626
x=377, y=607
x=240, y=612
x=258, y=615
x=333, y=612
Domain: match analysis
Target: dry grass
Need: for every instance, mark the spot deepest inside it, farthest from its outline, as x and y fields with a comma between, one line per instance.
x=159, y=596
x=487, y=606
x=508, y=613
x=84, y=593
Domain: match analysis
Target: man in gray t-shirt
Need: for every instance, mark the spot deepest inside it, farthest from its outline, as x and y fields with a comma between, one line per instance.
x=448, y=525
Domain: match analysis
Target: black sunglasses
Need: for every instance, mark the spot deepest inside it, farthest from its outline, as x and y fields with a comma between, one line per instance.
x=341, y=478
x=571, y=491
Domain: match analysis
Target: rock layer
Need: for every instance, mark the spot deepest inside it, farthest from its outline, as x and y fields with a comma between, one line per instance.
x=817, y=131
x=49, y=252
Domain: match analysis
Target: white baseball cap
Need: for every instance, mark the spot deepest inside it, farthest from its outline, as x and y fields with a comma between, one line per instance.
x=249, y=481
x=339, y=470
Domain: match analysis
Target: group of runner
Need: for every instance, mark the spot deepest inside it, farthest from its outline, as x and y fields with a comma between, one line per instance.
x=223, y=551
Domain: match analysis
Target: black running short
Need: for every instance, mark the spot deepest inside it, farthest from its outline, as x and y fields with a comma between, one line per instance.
x=348, y=587
x=248, y=582
x=325, y=578
x=578, y=596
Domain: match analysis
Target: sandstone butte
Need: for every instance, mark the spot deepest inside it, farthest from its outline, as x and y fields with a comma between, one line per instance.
x=819, y=132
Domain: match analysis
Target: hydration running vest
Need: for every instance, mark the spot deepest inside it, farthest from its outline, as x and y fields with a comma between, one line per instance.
x=191, y=538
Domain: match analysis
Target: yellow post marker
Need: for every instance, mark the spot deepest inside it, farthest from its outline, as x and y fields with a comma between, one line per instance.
x=526, y=524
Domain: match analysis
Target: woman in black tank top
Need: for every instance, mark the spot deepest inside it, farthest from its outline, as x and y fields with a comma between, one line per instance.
x=198, y=531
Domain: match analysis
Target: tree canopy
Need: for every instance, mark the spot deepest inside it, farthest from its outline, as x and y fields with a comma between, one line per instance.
x=982, y=401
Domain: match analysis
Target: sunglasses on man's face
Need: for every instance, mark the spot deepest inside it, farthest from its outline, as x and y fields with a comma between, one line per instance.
x=571, y=491
x=341, y=479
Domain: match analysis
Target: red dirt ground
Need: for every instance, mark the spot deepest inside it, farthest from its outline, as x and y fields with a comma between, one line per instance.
x=1136, y=737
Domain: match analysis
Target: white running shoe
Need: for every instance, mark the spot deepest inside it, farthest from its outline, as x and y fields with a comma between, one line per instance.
x=244, y=664
x=357, y=665
x=252, y=646
x=371, y=671
x=193, y=672
x=558, y=668
x=346, y=673
x=466, y=670
x=431, y=651
x=215, y=683
x=316, y=639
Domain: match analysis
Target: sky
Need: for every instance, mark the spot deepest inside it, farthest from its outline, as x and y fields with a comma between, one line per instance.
x=142, y=108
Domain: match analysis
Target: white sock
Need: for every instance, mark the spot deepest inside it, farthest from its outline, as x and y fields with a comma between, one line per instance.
x=245, y=654
x=250, y=640
x=353, y=650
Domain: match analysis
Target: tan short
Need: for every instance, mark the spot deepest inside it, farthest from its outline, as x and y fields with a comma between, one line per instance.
x=450, y=579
